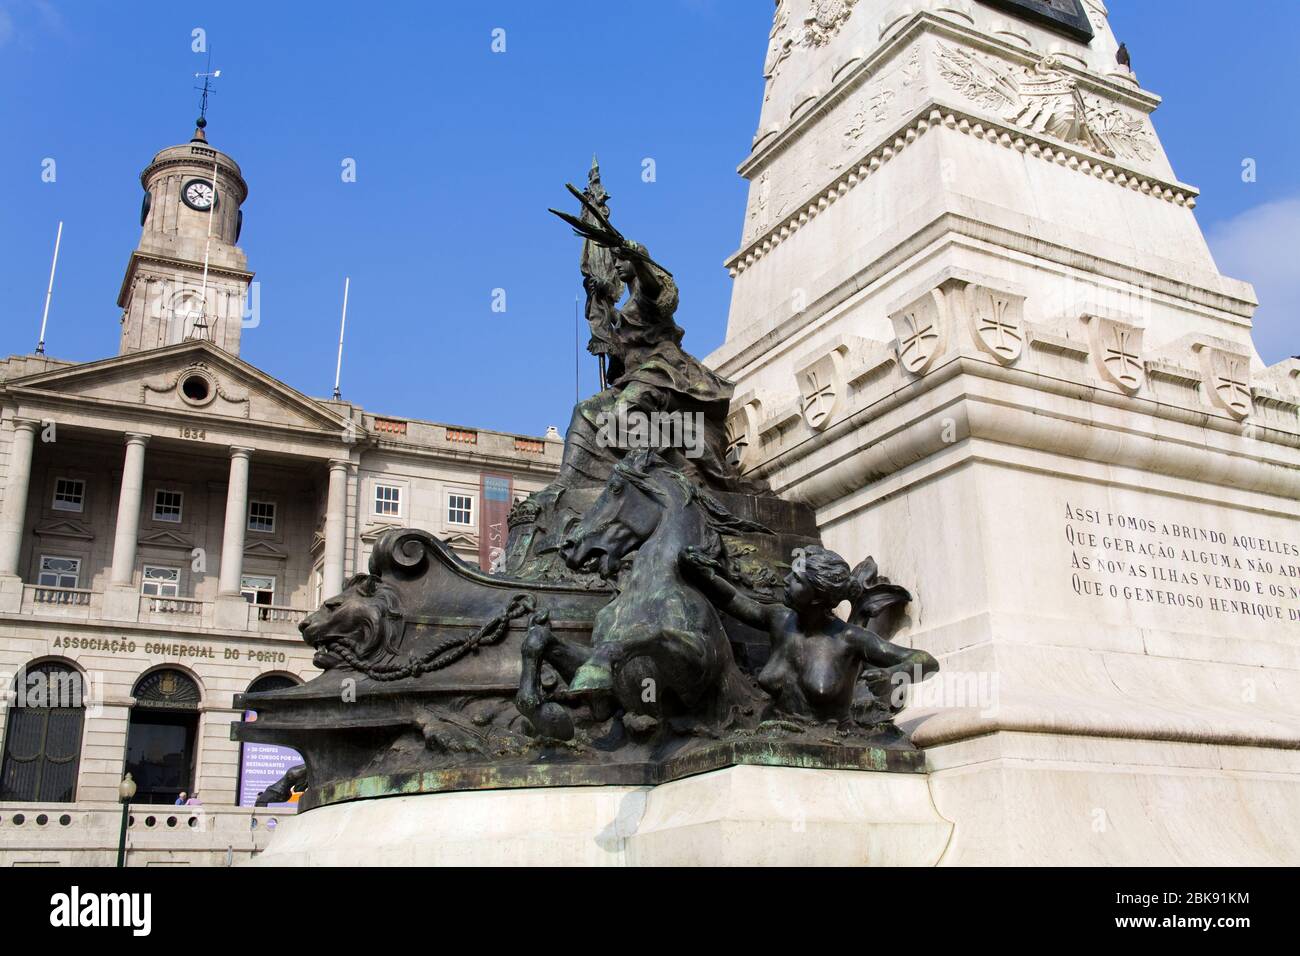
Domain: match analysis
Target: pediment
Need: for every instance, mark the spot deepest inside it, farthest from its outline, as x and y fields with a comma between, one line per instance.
x=264, y=549
x=460, y=539
x=371, y=532
x=195, y=377
x=64, y=529
x=165, y=539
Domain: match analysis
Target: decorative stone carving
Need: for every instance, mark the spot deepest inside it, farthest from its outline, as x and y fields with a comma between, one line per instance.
x=758, y=213
x=1227, y=379
x=920, y=331
x=822, y=387
x=1126, y=135
x=196, y=386
x=996, y=322
x=742, y=432
x=1046, y=99
x=779, y=45
x=878, y=105
x=978, y=81
x=824, y=21
x=1117, y=352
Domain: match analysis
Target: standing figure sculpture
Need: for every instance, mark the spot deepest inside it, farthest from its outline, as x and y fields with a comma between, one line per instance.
x=816, y=659
x=654, y=395
x=648, y=371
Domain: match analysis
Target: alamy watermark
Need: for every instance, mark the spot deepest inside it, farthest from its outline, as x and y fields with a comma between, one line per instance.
x=947, y=690
x=631, y=428
x=41, y=688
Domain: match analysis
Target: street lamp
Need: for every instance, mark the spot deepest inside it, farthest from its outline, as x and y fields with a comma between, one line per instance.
x=125, y=791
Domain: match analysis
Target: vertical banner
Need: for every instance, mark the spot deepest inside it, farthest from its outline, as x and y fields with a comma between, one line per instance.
x=261, y=765
x=496, y=493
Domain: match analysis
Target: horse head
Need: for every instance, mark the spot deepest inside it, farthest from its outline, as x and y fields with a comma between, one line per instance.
x=641, y=490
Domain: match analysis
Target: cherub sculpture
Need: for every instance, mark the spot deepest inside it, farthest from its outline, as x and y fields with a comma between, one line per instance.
x=817, y=660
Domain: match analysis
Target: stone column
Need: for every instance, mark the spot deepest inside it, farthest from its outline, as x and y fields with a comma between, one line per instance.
x=17, y=482
x=232, y=541
x=128, y=511
x=336, y=523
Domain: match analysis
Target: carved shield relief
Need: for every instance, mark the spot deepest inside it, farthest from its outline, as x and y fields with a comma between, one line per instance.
x=996, y=322
x=821, y=388
x=1117, y=352
x=1227, y=379
x=742, y=433
x=919, y=328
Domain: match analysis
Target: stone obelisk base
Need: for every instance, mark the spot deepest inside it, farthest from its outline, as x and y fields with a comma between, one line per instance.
x=744, y=815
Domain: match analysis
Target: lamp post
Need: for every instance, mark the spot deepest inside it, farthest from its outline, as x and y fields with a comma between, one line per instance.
x=125, y=791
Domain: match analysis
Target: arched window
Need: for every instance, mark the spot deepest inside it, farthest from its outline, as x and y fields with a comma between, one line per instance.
x=160, y=741
x=272, y=682
x=166, y=689
x=43, y=734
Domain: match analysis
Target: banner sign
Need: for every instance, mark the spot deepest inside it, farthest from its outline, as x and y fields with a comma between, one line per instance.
x=496, y=494
x=261, y=765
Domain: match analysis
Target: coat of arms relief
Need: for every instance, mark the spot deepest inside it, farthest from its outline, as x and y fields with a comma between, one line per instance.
x=1046, y=99
x=814, y=26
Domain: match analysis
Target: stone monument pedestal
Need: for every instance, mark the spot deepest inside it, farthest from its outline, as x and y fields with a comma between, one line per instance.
x=738, y=816
x=976, y=327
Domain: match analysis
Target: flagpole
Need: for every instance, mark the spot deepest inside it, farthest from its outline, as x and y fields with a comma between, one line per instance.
x=49, y=290
x=343, y=322
x=207, y=249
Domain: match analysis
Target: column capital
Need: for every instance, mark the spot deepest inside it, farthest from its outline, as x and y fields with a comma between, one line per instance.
x=137, y=438
x=241, y=451
x=27, y=424
x=339, y=464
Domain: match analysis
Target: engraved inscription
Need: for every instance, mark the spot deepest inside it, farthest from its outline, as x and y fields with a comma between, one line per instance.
x=1132, y=559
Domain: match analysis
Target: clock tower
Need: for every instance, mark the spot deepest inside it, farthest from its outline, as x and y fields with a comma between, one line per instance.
x=187, y=278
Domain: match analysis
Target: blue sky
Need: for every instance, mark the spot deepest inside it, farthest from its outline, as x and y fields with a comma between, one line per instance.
x=460, y=150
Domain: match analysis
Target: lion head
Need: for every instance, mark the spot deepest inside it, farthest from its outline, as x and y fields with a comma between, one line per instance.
x=364, y=620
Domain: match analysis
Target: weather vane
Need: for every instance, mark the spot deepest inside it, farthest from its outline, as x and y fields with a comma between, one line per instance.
x=206, y=88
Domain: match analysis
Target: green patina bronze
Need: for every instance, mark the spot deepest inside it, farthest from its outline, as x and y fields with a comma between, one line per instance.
x=660, y=615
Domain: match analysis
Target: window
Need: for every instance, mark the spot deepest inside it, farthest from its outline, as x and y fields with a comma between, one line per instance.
x=69, y=494
x=59, y=572
x=460, y=509
x=258, y=589
x=261, y=516
x=160, y=582
x=388, y=501
x=167, y=505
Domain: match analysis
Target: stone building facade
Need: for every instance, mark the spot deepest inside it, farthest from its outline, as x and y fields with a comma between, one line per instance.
x=169, y=514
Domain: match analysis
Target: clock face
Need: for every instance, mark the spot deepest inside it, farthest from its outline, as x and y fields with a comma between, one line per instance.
x=199, y=194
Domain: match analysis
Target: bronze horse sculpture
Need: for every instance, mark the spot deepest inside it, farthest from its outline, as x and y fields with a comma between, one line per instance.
x=659, y=651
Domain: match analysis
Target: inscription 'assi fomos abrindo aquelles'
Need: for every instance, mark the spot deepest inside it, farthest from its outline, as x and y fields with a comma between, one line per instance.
x=1135, y=559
